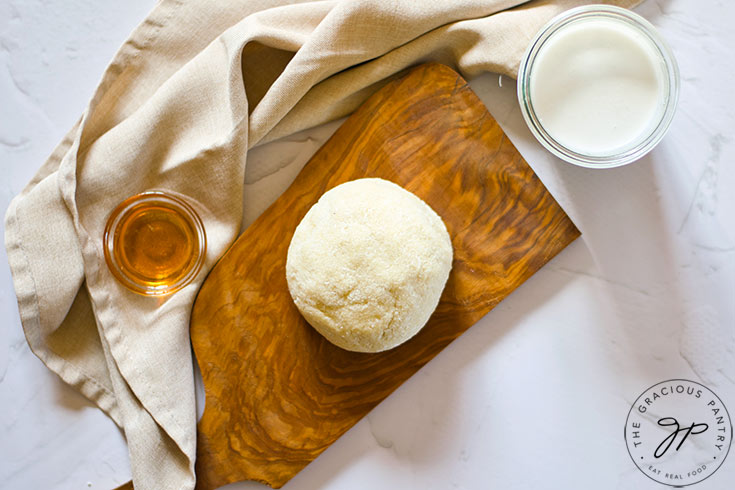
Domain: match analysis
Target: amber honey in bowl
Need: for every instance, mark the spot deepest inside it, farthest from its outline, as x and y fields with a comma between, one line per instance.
x=154, y=243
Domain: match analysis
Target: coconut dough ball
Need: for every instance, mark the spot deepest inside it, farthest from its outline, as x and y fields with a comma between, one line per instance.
x=367, y=265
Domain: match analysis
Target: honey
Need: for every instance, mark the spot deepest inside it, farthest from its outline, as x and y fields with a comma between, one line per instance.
x=154, y=243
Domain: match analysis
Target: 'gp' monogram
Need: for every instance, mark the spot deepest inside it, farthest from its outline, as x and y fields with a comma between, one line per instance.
x=671, y=421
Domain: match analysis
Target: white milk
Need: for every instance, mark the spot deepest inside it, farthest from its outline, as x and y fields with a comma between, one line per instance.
x=597, y=86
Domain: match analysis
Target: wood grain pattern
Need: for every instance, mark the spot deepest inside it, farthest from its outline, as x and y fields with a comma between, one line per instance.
x=277, y=393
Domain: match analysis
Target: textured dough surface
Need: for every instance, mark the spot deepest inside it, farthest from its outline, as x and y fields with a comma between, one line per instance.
x=367, y=264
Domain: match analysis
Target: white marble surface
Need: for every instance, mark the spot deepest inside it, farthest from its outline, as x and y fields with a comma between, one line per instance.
x=533, y=396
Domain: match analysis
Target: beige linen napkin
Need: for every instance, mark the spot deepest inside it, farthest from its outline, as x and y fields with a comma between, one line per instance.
x=196, y=85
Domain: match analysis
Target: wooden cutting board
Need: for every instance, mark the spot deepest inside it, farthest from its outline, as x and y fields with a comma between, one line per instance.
x=277, y=393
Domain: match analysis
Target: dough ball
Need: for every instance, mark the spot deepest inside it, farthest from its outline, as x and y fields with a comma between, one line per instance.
x=367, y=265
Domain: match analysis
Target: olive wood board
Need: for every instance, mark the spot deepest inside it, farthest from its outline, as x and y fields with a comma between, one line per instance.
x=278, y=393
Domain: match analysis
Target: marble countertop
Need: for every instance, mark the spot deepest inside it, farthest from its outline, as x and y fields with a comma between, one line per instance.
x=537, y=393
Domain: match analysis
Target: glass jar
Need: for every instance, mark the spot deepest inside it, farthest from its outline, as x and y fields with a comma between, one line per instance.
x=669, y=83
x=154, y=243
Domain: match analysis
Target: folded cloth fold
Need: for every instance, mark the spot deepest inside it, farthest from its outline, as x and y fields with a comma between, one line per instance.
x=195, y=86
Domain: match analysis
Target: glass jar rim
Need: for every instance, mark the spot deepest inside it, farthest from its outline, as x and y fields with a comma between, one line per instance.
x=671, y=73
x=186, y=211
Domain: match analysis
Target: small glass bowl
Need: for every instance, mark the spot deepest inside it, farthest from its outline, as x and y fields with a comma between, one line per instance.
x=154, y=243
x=639, y=147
